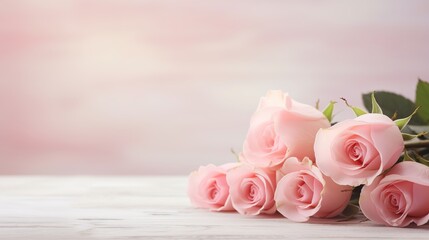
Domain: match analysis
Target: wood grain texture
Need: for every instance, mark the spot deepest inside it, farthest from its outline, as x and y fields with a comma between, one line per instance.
x=149, y=208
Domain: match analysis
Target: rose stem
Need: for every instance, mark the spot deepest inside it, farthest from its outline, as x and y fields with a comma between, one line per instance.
x=420, y=144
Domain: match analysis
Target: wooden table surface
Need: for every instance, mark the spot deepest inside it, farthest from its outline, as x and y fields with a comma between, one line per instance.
x=80, y=207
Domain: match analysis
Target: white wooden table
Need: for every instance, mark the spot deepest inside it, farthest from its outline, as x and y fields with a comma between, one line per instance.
x=33, y=207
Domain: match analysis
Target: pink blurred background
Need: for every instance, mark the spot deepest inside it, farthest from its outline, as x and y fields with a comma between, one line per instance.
x=161, y=87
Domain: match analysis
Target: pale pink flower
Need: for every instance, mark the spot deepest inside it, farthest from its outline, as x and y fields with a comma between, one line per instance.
x=281, y=127
x=252, y=190
x=356, y=151
x=303, y=192
x=207, y=187
x=398, y=198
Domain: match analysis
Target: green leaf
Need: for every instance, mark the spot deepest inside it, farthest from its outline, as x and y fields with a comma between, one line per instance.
x=402, y=123
x=407, y=136
x=421, y=159
x=350, y=211
x=329, y=110
x=407, y=157
x=422, y=100
x=392, y=103
x=375, y=107
x=356, y=110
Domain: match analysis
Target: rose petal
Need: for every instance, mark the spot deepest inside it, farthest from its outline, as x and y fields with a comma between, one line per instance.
x=298, y=132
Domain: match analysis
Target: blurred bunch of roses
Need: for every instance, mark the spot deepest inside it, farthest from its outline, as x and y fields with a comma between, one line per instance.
x=296, y=162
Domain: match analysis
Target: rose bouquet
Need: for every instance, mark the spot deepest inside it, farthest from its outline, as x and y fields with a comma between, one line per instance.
x=297, y=162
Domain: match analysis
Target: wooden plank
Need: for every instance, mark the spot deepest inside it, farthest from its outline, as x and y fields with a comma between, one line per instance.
x=150, y=208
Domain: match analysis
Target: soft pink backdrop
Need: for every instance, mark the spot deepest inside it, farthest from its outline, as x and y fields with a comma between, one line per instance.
x=161, y=87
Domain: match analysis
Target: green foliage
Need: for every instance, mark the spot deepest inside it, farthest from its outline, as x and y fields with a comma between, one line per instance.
x=407, y=157
x=415, y=157
x=408, y=136
x=392, y=104
x=402, y=122
x=375, y=107
x=422, y=100
x=358, y=112
x=329, y=110
x=350, y=211
x=421, y=159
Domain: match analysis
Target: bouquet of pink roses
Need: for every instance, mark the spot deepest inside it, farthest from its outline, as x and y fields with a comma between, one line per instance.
x=296, y=162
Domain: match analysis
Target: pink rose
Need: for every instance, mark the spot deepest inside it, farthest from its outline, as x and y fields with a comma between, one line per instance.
x=400, y=197
x=303, y=192
x=280, y=128
x=355, y=152
x=252, y=190
x=208, y=188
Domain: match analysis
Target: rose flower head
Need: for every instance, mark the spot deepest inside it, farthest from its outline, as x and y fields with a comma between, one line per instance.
x=398, y=198
x=356, y=151
x=303, y=192
x=252, y=190
x=280, y=128
x=207, y=187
